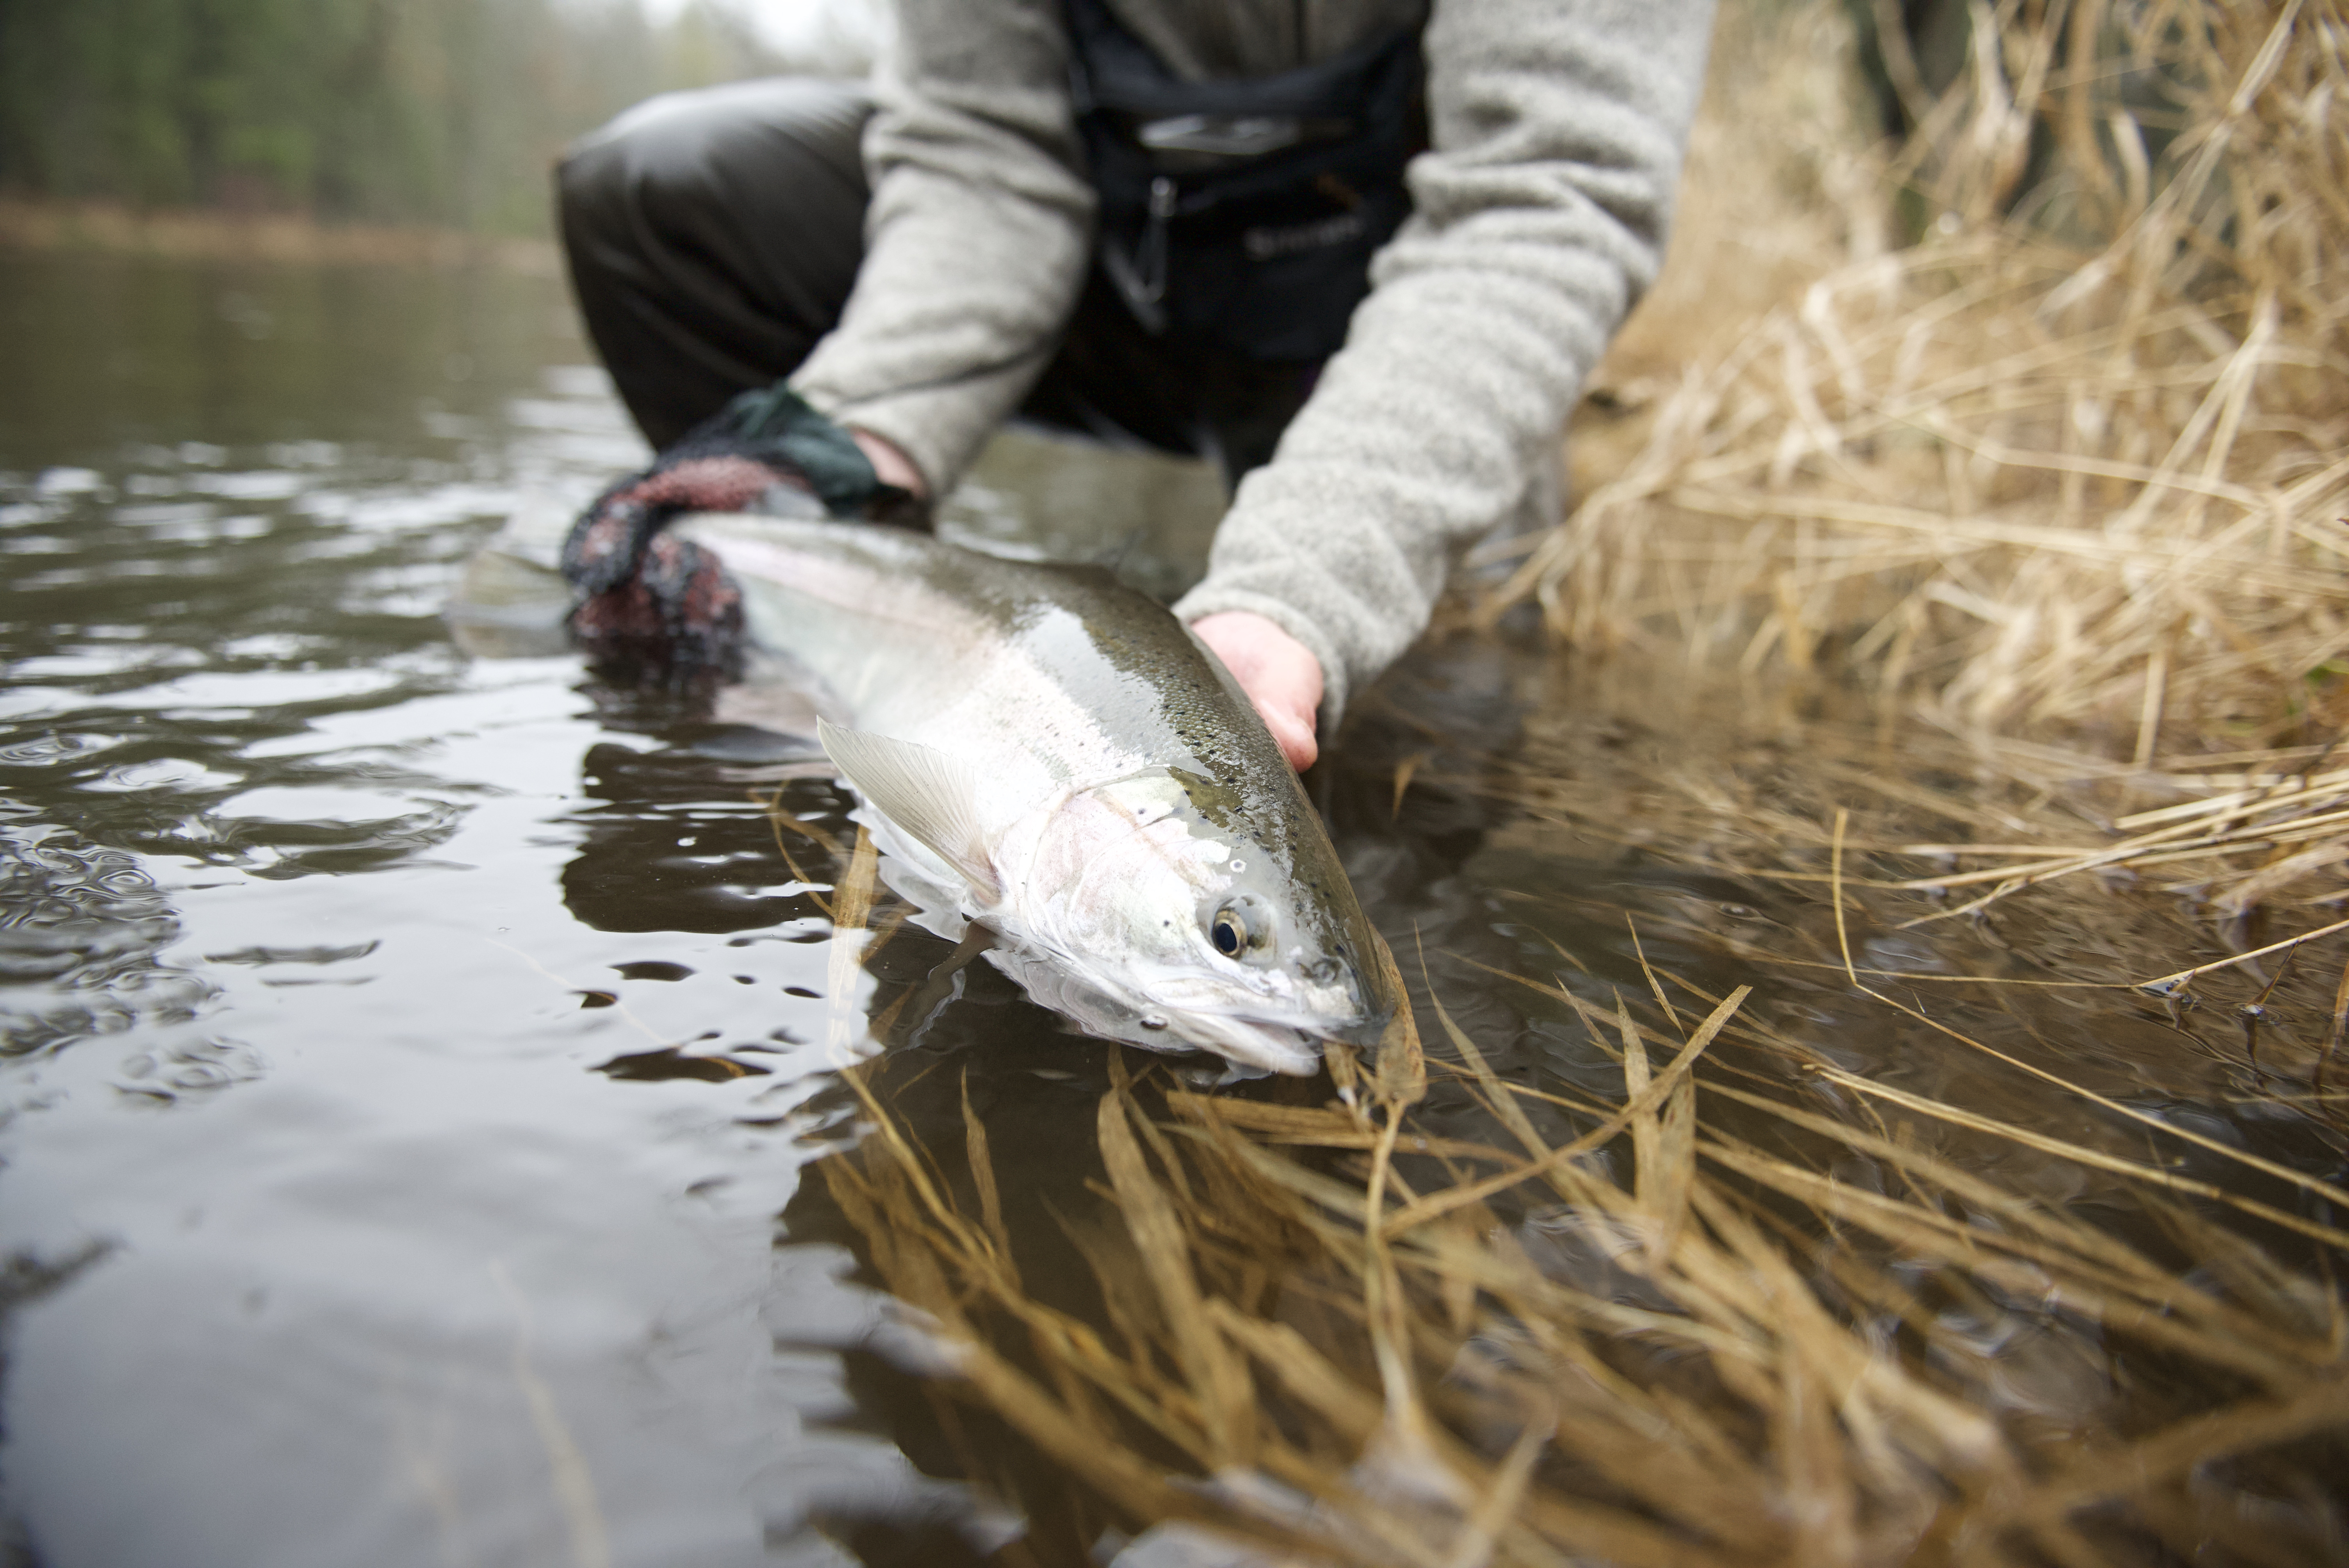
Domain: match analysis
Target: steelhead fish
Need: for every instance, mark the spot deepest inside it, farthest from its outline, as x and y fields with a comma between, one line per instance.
x=1051, y=754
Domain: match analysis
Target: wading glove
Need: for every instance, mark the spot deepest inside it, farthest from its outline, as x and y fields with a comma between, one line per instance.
x=662, y=608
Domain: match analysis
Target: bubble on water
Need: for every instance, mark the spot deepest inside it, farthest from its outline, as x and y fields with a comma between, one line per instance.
x=170, y=1073
x=48, y=750
x=176, y=774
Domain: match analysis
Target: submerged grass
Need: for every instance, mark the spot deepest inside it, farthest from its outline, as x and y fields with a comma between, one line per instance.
x=2241, y=840
x=1508, y=1355
x=1747, y=1312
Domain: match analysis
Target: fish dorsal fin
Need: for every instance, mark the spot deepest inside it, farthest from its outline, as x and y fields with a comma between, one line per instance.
x=923, y=791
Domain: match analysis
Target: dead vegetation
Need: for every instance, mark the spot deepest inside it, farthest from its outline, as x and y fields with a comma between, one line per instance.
x=2241, y=839
x=1755, y=1307
x=1731, y=1357
x=2073, y=464
x=2071, y=471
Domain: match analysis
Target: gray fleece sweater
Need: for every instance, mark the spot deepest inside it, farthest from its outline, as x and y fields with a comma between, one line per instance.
x=1557, y=130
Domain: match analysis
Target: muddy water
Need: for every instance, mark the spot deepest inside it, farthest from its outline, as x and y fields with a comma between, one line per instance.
x=415, y=1062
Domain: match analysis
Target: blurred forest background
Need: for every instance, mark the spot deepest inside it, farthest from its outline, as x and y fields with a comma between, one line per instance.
x=442, y=112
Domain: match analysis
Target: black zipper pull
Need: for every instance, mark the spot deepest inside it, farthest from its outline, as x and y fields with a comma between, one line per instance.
x=1152, y=261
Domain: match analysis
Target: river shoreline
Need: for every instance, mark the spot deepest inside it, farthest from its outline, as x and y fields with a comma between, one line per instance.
x=203, y=233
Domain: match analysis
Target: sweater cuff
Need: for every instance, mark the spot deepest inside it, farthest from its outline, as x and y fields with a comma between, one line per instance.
x=1209, y=599
x=939, y=429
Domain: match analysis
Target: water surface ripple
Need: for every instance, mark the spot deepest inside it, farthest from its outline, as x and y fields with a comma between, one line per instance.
x=329, y=1241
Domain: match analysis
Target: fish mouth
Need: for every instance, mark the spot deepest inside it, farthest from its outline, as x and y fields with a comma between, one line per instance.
x=1285, y=1039
x=1273, y=1048
x=1286, y=1036
x=1289, y=1043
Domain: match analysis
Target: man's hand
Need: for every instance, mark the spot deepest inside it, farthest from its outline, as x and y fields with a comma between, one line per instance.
x=1280, y=675
x=661, y=606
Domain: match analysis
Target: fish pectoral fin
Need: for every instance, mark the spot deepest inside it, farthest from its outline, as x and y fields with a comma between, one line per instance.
x=923, y=791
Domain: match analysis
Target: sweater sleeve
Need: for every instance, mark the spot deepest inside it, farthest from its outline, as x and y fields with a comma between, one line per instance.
x=1557, y=128
x=975, y=239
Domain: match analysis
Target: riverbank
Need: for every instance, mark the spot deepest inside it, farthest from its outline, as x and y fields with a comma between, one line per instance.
x=2068, y=468
x=113, y=228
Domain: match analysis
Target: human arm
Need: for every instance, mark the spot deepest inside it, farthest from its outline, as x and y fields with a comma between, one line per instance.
x=963, y=148
x=977, y=237
x=1539, y=215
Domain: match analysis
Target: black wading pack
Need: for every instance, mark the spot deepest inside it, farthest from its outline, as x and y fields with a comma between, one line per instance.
x=1244, y=213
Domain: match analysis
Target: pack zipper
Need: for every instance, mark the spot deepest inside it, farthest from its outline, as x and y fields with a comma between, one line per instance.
x=1150, y=258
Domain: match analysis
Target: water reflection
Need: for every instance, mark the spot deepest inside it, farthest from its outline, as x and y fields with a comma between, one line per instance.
x=332, y=1240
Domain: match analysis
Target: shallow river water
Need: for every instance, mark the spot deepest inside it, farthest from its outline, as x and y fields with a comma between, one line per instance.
x=413, y=1064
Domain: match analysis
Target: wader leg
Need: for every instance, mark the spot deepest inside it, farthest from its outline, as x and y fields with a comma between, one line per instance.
x=713, y=237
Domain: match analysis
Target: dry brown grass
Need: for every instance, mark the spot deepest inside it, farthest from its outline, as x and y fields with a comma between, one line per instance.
x=2243, y=841
x=2038, y=485
x=1733, y=1357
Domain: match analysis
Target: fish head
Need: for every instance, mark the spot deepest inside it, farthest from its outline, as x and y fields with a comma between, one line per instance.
x=1196, y=927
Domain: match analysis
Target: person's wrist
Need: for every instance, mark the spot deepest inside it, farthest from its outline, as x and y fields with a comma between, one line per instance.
x=891, y=466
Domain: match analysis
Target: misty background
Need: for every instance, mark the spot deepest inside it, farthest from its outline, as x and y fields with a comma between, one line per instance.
x=439, y=112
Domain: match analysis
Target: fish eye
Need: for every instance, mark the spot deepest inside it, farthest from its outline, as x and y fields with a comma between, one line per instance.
x=1229, y=932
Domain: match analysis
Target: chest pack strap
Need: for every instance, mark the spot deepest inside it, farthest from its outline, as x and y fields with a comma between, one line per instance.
x=1245, y=212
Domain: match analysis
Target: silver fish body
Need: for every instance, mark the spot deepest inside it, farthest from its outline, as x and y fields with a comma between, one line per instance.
x=1051, y=754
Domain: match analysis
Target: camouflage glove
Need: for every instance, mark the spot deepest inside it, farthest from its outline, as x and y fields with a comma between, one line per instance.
x=663, y=607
